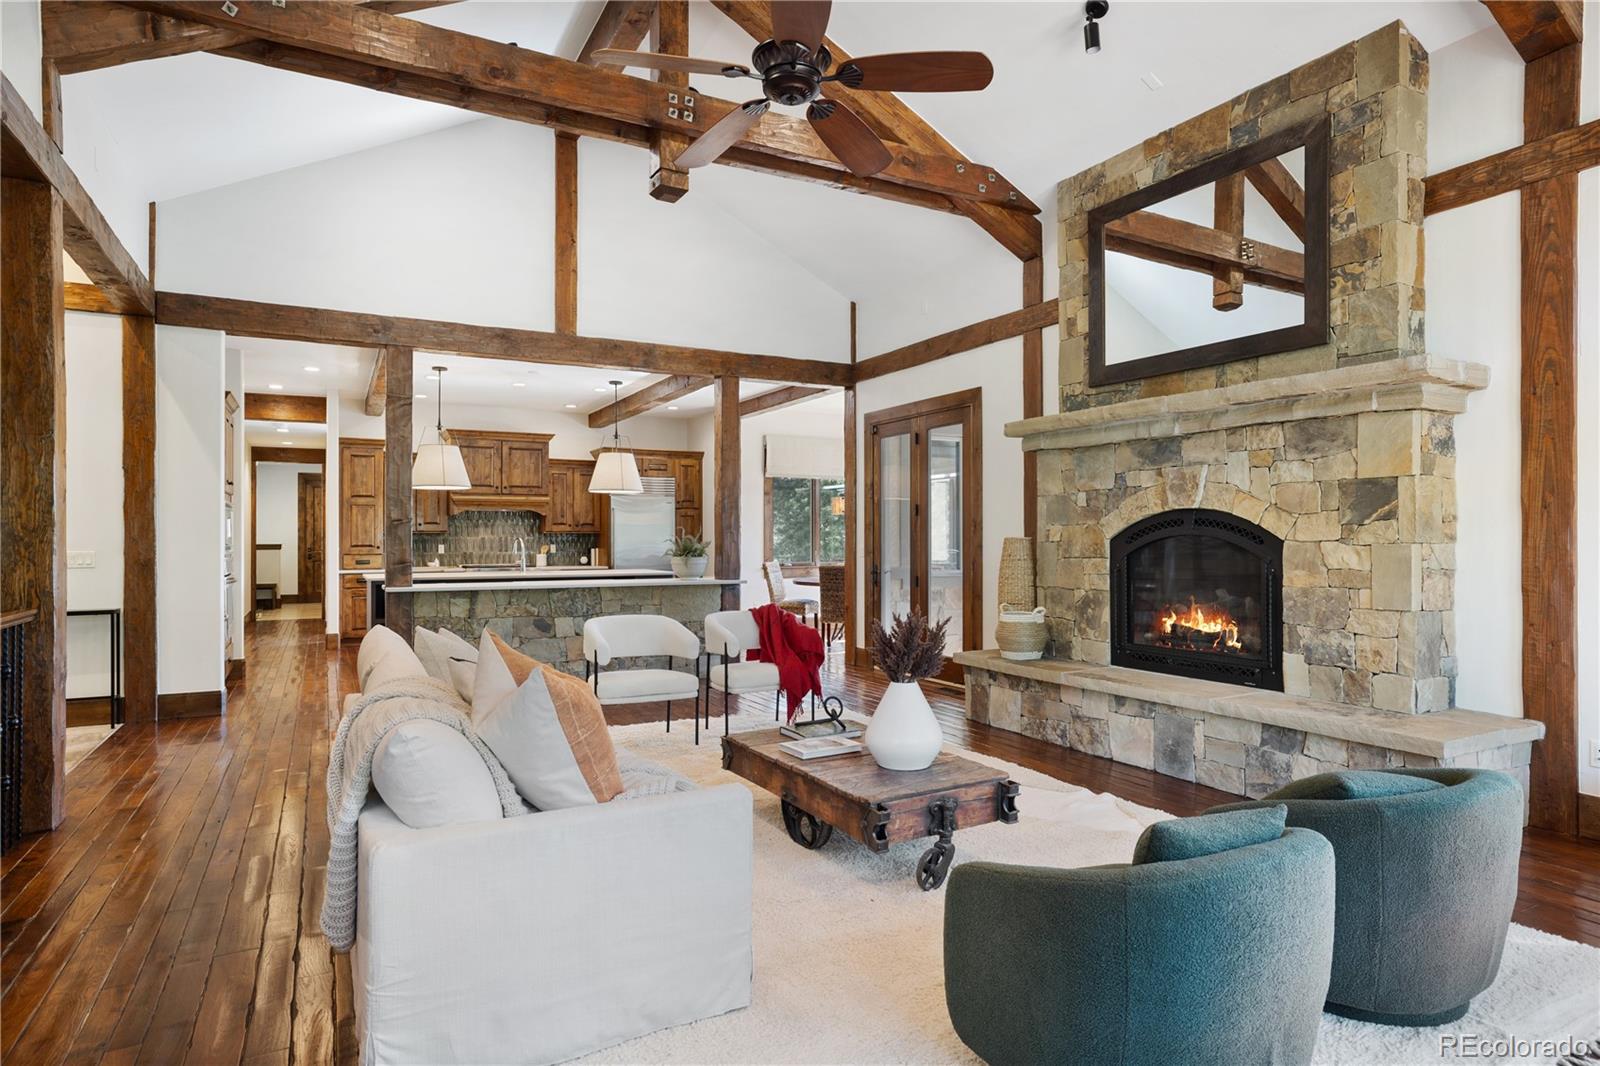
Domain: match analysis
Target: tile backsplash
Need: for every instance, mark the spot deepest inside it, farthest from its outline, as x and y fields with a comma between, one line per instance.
x=489, y=537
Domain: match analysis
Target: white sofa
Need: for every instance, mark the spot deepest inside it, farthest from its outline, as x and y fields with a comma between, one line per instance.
x=543, y=937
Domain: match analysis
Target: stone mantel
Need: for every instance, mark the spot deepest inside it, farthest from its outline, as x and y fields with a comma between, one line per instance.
x=1412, y=383
x=1444, y=735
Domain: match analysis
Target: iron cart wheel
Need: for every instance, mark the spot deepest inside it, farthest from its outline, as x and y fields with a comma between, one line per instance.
x=934, y=866
x=804, y=828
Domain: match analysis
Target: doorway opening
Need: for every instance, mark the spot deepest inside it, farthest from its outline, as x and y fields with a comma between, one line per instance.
x=924, y=516
x=288, y=534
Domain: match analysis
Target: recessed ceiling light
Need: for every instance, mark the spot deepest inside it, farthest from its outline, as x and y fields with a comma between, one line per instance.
x=433, y=377
x=275, y=387
x=519, y=384
x=572, y=407
x=601, y=388
x=421, y=396
x=1151, y=82
x=289, y=443
x=672, y=407
x=283, y=429
x=312, y=369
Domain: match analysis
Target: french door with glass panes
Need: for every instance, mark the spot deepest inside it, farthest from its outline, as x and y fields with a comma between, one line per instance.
x=924, y=507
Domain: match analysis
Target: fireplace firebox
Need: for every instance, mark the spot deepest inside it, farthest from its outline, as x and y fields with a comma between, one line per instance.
x=1198, y=593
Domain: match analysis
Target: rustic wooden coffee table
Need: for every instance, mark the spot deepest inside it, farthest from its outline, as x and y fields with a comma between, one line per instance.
x=878, y=807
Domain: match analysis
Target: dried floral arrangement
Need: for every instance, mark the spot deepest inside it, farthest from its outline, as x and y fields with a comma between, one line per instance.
x=910, y=649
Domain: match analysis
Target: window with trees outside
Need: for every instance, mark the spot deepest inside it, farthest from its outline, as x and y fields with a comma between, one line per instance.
x=805, y=520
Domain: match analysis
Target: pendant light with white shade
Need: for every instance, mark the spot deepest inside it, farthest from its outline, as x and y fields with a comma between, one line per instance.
x=438, y=464
x=615, y=471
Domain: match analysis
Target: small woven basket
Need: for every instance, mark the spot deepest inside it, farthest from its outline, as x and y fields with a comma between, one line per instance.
x=1021, y=634
x=1016, y=574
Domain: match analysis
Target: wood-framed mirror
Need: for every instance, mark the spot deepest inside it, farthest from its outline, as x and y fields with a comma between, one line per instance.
x=1211, y=265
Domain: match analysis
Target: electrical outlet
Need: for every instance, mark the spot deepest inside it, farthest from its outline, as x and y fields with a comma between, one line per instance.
x=80, y=560
x=1594, y=754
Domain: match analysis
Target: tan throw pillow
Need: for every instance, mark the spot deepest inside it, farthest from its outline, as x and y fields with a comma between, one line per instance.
x=545, y=727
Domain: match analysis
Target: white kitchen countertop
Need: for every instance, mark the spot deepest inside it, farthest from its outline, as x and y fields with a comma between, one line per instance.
x=453, y=579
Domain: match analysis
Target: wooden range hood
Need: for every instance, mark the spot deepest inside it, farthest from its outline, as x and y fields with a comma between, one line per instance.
x=509, y=471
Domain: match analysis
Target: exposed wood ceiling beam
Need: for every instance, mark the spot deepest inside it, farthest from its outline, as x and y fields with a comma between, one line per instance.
x=1563, y=152
x=622, y=24
x=891, y=118
x=777, y=399
x=263, y=453
x=990, y=330
x=566, y=233
x=377, y=388
x=281, y=407
x=27, y=152
x=81, y=297
x=1164, y=239
x=1538, y=27
x=1227, y=280
x=440, y=91
x=670, y=36
x=1279, y=189
x=81, y=36
x=648, y=398
x=248, y=318
x=404, y=45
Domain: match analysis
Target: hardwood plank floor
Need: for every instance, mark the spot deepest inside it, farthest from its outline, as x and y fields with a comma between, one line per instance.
x=173, y=916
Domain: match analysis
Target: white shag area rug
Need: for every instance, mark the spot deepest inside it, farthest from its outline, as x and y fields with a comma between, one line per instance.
x=866, y=985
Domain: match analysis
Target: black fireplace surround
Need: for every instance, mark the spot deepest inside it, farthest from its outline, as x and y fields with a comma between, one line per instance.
x=1199, y=593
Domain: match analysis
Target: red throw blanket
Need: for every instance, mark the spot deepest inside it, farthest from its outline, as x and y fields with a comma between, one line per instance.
x=795, y=647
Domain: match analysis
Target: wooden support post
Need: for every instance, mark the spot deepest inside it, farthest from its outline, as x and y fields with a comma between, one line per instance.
x=1549, y=449
x=139, y=518
x=33, y=381
x=397, y=612
x=725, y=406
x=51, y=77
x=671, y=36
x=1227, y=282
x=1032, y=391
x=852, y=509
x=566, y=233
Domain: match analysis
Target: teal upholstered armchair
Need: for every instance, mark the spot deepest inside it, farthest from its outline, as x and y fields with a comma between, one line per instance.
x=1220, y=958
x=1427, y=876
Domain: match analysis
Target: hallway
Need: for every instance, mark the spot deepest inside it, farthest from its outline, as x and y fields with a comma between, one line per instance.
x=185, y=884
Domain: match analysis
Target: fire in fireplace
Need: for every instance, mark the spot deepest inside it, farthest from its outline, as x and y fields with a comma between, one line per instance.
x=1198, y=593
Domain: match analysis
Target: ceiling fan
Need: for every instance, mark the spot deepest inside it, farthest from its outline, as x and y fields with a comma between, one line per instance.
x=793, y=70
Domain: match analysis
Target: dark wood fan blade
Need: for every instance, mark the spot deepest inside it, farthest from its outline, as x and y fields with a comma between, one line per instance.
x=621, y=57
x=847, y=137
x=722, y=136
x=801, y=20
x=918, y=72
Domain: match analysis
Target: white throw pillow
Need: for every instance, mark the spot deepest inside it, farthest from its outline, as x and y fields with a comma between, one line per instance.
x=548, y=732
x=428, y=774
x=435, y=648
x=384, y=656
x=461, y=662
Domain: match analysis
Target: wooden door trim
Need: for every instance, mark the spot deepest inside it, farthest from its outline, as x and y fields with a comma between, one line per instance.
x=967, y=405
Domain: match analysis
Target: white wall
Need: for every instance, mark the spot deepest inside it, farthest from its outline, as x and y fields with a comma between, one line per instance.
x=237, y=595
x=278, y=516
x=1472, y=281
x=94, y=494
x=21, y=46
x=458, y=225
x=189, y=386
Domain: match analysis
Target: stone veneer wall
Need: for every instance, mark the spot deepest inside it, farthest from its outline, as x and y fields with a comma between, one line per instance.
x=547, y=624
x=1232, y=754
x=490, y=537
x=1365, y=504
x=1375, y=92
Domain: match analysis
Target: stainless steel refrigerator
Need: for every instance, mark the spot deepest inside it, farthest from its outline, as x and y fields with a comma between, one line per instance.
x=642, y=526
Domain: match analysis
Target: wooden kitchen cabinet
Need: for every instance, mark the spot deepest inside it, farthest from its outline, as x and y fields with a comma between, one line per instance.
x=482, y=460
x=573, y=508
x=360, y=503
x=690, y=520
x=524, y=467
x=352, y=606
x=653, y=465
x=430, y=512
x=505, y=464
x=686, y=472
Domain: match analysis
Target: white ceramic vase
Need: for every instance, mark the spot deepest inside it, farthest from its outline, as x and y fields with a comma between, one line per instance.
x=903, y=733
x=689, y=565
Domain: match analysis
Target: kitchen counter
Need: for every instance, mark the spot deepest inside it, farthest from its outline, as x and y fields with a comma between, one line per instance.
x=455, y=579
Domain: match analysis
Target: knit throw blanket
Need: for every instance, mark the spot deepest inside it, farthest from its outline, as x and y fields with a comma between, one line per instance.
x=350, y=776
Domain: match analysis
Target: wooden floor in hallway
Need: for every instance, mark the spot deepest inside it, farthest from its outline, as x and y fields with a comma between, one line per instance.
x=173, y=916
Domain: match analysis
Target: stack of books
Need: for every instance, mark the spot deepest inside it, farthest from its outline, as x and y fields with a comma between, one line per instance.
x=821, y=747
x=826, y=727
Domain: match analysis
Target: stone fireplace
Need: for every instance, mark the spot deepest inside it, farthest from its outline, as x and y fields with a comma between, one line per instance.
x=1248, y=569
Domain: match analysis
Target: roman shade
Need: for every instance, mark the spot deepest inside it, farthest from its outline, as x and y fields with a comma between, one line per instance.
x=819, y=457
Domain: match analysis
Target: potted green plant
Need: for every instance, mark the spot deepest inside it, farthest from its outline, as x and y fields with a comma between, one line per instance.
x=688, y=554
x=903, y=733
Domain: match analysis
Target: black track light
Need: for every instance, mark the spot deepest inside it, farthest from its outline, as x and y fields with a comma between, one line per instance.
x=1093, y=10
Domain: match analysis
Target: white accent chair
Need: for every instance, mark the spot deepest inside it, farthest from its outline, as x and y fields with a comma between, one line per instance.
x=730, y=634
x=628, y=636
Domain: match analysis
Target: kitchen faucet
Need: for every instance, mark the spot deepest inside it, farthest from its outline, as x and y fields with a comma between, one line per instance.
x=522, y=554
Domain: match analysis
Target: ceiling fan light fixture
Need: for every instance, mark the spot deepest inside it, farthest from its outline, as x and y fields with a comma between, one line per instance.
x=1093, y=11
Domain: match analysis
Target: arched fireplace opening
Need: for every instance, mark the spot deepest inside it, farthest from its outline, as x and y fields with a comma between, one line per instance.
x=1199, y=593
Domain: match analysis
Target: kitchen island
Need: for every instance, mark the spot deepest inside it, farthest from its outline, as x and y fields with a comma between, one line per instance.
x=541, y=611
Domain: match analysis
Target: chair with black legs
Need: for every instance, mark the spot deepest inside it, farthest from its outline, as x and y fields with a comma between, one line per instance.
x=631, y=636
x=729, y=634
